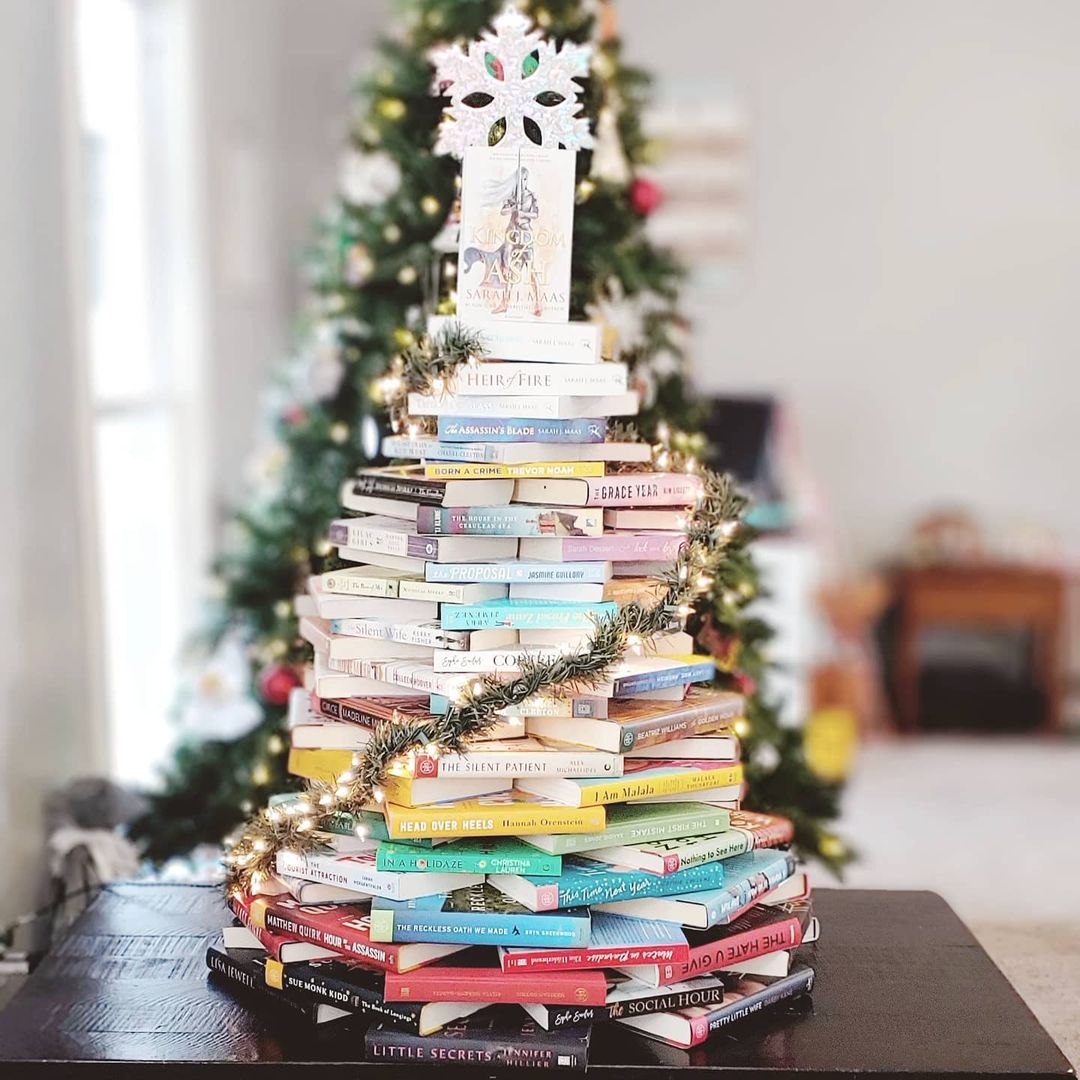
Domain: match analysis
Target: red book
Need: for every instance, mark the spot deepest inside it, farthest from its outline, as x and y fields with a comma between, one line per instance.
x=767, y=830
x=344, y=928
x=440, y=982
x=756, y=932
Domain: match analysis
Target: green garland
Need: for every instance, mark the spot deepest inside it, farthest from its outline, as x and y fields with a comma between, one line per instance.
x=713, y=522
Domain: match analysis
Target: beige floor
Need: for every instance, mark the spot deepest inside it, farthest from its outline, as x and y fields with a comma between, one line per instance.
x=994, y=826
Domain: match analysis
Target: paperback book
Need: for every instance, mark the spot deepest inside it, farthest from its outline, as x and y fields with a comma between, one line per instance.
x=550, y=342
x=496, y=522
x=514, y=379
x=521, y=571
x=495, y=855
x=516, y=757
x=515, y=429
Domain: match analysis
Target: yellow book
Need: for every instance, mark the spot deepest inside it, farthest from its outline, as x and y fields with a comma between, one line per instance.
x=643, y=778
x=484, y=470
x=325, y=765
x=514, y=813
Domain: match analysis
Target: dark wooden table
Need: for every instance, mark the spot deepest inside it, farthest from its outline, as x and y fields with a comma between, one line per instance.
x=903, y=990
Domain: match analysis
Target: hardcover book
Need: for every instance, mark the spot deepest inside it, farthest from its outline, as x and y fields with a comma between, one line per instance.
x=747, y=878
x=755, y=933
x=550, y=342
x=424, y=790
x=614, y=942
x=516, y=379
x=518, y=757
x=641, y=779
x=409, y=483
x=394, y=537
x=626, y=997
x=628, y=824
x=501, y=1037
x=478, y=915
x=518, y=614
x=514, y=814
x=453, y=469
x=319, y=632
x=344, y=928
x=743, y=997
x=494, y=855
x=283, y=948
x=517, y=226
x=631, y=724
x=583, y=882
x=357, y=871
x=429, y=634
x=507, y=521
x=429, y=449
x=519, y=429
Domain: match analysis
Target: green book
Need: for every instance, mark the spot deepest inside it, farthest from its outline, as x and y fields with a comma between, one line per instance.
x=482, y=855
x=635, y=824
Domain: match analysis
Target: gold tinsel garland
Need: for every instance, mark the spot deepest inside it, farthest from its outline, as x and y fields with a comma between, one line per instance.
x=429, y=367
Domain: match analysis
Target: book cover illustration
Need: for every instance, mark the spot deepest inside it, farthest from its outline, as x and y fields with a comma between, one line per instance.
x=517, y=222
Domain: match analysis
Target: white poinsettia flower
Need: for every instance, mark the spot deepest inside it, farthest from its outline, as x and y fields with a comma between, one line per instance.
x=367, y=179
x=220, y=705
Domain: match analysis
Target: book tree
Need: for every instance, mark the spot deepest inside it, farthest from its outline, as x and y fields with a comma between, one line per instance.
x=385, y=262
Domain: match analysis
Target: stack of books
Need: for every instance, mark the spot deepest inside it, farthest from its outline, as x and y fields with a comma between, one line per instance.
x=589, y=860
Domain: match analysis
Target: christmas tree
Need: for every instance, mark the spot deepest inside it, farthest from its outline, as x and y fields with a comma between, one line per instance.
x=380, y=266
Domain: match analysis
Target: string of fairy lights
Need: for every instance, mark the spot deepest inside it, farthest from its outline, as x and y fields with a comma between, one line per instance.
x=429, y=367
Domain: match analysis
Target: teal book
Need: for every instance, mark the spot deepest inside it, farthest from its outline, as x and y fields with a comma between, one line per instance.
x=584, y=882
x=482, y=855
x=525, y=614
x=637, y=824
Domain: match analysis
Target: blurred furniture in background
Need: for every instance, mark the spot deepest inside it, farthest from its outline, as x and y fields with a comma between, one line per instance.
x=981, y=597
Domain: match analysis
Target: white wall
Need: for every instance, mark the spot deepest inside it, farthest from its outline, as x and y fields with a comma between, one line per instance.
x=50, y=701
x=915, y=264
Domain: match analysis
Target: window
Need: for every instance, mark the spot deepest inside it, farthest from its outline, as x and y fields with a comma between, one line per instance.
x=141, y=254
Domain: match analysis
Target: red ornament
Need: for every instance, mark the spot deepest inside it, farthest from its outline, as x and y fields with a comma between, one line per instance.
x=294, y=415
x=645, y=195
x=276, y=682
x=744, y=684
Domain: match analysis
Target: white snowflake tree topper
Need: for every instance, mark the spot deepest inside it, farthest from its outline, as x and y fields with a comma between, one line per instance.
x=512, y=87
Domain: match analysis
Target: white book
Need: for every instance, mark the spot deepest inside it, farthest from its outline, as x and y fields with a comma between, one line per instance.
x=424, y=791
x=659, y=520
x=357, y=872
x=342, y=647
x=403, y=564
x=315, y=892
x=516, y=234
x=582, y=591
x=725, y=797
x=718, y=747
x=329, y=735
x=551, y=343
x=471, y=380
x=335, y=606
x=360, y=581
x=392, y=536
x=429, y=634
x=401, y=509
x=521, y=570
x=518, y=757
x=618, y=489
x=453, y=592
x=535, y=407
x=326, y=682
x=428, y=448
x=484, y=661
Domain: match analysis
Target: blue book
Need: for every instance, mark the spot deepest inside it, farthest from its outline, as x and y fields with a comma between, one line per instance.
x=640, y=682
x=581, y=706
x=517, y=571
x=525, y=614
x=520, y=429
x=746, y=878
x=479, y=915
x=583, y=881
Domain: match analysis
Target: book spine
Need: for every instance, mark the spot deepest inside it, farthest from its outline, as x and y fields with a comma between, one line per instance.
x=522, y=471
x=741, y=894
x=512, y=520
x=344, y=872
x=644, y=489
x=222, y=964
x=719, y=848
x=639, y=786
x=583, y=708
x=662, y=1001
x=432, y=860
x=514, y=429
x=796, y=984
x=714, y=820
x=470, y=984
x=592, y=957
x=614, y=547
x=452, y=822
x=355, y=585
x=546, y=762
x=516, y=379
x=527, y=615
x=404, y=446
x=645, y=681
x=733, y=949
x=384, y=1044
x=547, y=342
x=339, y=709
x=397, y=487
x=440, y=592
x=513, y=573
x=535, y=406
x=661, y=729
x=428, y=634
x=607, y=888
x=478, y=928
x=351, y=532
x=311, y=983
x=339, y=937
x=493, y=660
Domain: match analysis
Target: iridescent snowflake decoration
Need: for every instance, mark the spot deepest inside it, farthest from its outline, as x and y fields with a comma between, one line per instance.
x=512, y=87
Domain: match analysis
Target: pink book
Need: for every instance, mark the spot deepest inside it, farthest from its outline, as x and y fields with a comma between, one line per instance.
x=610, y=547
